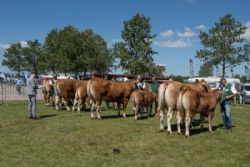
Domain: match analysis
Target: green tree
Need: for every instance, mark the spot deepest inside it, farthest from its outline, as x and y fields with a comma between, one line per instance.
x=223, y=44
x=71, y=51
x=206, y=69
x=135, y=52
x=31, y=56
x=56, y=48
x=179, y=78
x=95, y=56
x=13, y=58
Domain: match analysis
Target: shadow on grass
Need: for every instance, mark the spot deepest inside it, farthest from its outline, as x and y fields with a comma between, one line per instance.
x=193, y=131
x=47, y=116
x=116, y=116
x=203, y=130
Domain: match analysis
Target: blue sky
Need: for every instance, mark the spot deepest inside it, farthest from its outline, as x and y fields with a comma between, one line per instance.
x=176, y=22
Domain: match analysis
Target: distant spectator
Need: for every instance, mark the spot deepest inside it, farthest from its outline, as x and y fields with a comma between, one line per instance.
x=18, y=85
x=154, y=88
x=242, y=95
x=141, y=83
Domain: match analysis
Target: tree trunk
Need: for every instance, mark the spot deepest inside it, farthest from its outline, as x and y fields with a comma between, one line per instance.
x=223, y=68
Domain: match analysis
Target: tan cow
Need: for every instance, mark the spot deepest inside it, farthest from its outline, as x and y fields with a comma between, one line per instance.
x=143, y=99
x=192, y=102
x=100, y=89
x=65, y=90
x=168, y=94
x=80, y=95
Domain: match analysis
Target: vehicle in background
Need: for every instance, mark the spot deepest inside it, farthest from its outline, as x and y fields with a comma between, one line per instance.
x=214, y=85
x=214, y=82
x=246, y=93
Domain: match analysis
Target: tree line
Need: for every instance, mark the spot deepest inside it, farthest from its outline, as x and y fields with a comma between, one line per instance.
x=70, y=51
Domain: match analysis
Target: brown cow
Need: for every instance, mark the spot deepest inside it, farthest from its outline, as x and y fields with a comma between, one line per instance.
x=192, y=102
x=168, y=94
x=80, y=95
x=143, y=99
x=100, y=89
x=65, y=90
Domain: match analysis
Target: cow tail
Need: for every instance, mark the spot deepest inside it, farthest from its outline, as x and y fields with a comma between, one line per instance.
x=161, y=99
x=89, y=89
x=180, y=100
x=57, y=89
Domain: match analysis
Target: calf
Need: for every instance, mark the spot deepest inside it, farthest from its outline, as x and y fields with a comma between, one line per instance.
x=100, y=89
x=143, y=99
x=192, y=102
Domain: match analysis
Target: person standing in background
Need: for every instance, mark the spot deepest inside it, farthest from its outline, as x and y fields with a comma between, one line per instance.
x=32, y=87
x=18, y=85
x=154, y=88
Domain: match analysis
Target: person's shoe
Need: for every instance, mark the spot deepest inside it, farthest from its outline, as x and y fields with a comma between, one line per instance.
x=224, y=127
x=35, y=118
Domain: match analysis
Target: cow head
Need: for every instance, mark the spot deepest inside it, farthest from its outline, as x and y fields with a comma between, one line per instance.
x=205, y=86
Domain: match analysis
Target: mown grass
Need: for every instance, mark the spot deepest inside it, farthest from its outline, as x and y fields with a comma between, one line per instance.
x=61, y=138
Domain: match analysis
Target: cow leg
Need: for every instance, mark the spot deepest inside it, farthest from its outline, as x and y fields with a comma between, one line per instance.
x=57, y=101
x=188, y=119
x=124, y=108
x=65, y=102
x=118, y=108
x=74, y=104
x=202, y=120
x=161, y=120
x=92, y=108
x=98, y=110
x=148, y=109
x=79, y=105
x=47, y=99
x=179, y=120
x=210, y=117
x=136, y=111
x=169, y=118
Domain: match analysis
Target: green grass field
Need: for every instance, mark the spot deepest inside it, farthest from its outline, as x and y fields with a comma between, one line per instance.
x=61, y=138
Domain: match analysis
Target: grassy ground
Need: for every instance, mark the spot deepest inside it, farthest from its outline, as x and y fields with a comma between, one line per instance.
x=60, y=138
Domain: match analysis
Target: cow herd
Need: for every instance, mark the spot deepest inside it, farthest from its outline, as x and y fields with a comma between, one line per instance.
x=186, y=99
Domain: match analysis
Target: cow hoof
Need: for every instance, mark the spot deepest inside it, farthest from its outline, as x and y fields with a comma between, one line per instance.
x=211, y=132
x=170, y=132
x=162, y=130
x=179, y=133
x=187, y=136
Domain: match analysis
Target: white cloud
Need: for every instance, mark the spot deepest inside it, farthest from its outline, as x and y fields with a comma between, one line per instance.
x=167, y=33
x=247, y=32
x=201, y=27
x=179, y=43
x=24, y=44
x=187, y=33
x=4, y=46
